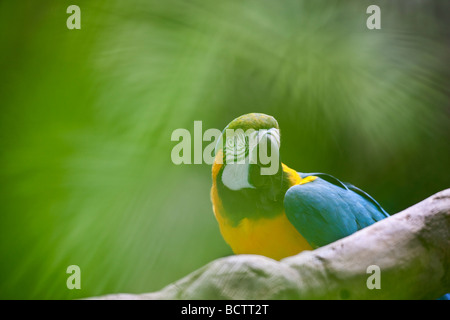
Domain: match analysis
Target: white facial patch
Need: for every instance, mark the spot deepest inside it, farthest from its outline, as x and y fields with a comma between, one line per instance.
x=235, y=176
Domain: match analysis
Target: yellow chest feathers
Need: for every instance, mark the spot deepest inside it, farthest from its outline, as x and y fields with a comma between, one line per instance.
x=274, y=237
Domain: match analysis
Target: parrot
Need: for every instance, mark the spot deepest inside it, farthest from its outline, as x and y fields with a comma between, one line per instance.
x=281, y=213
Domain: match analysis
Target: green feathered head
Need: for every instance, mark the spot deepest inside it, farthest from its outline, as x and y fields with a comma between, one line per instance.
x=250, y=145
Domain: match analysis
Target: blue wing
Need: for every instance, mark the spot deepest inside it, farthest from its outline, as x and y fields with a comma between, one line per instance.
x=327, y=209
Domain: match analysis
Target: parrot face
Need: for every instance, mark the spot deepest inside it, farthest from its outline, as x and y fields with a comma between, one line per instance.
x=250, y=148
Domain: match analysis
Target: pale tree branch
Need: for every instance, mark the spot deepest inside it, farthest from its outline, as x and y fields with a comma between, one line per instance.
x=411, y=249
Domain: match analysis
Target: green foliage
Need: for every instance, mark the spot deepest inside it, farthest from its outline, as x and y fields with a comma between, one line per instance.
x=87, y=116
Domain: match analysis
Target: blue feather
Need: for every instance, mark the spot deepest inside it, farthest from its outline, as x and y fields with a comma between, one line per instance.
x=327, y=209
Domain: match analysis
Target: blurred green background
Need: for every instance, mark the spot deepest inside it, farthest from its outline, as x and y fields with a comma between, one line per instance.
x=87, y=115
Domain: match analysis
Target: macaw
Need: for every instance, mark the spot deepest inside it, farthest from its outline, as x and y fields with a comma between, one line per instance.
x=280, y=214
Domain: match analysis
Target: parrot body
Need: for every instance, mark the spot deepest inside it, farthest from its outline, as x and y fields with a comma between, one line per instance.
x=273, y=236
x=285, y=213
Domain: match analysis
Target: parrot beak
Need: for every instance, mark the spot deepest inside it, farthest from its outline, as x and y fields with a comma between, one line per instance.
x=265, y=163
x=265, y=151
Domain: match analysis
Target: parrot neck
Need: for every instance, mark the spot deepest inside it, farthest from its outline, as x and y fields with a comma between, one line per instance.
x=264, y=201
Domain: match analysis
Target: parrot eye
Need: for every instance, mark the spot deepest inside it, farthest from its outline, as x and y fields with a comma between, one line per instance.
x=236, y=148
x=230, y=143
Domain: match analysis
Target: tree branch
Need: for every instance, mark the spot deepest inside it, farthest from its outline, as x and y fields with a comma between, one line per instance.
x=411, y=248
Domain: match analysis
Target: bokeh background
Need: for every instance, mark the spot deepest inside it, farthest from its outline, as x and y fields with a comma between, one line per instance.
x=87, y=115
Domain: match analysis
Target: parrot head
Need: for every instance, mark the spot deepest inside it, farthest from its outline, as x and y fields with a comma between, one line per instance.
x=250, y=150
